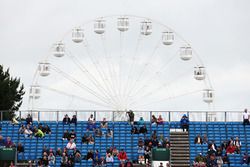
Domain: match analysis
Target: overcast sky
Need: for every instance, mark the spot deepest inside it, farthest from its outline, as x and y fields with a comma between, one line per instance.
x=218, y=30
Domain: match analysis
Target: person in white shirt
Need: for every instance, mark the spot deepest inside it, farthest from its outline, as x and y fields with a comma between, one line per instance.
x=245, y=118
x=71, y=145
x=27, y=132
x=109, y=158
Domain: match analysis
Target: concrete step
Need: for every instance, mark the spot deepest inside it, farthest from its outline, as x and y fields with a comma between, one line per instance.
x=178, y=133
x=180, y=157
x=180, y=165
x=179, y=142
x=180, y=161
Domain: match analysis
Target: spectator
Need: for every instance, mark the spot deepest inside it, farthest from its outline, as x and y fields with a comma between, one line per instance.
x=199, y=160
x=230, y=149
x=140, y=122
x=184, y=123
x=128, y=163
x=9, y=143
x=245, y=118
x=66, y=119
x=131, y=117
x=91, y=139
x=154, y=135
x=78, y=157
x=39, y=133
x=102, y=162
x=104, y=123
x=147, y=155
x=219, y=161
x=115, y=152
x=66, y=135
x=84, y=139
x=231, y=141
x=98, y=132
x=51, y=159
x=21, y=129
x=29, y=119
x=58, y=152
x=155, y=142
x=45, y=161
x=90, y=155
x=91, y=119
x=160, y=120
x=211, y=161
x=46, y=129
x=72, y=135
x=141, y=160
x=166, y=143
x=153, y=120
x=143, y=130
x=161, y=165
x=198, y=139
x=204, y=139
x=219, y=151
x=65, y=151
x=64, y=160
x=245, y=159
x=122, y=156
x=109, y=158
x=224, y=145
x=226, y=160
x=74, y=120
x=20, y=148
x=109, y=133
x=210, y=150
x=27, y=132
x=237, y=145
x=97, y=157
x=71, y=145
x=134, y=130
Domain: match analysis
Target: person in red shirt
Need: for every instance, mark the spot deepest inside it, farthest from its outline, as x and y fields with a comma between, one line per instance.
x=230, y=149
x=160, y=120
x=122, y=156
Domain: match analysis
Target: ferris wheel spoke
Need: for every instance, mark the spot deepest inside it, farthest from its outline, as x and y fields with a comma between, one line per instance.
x=156, y=74
x=74, y=96
x=166, y=98
x=91, y=78
x=101, y=73
x=160, y=88
x=81, y=85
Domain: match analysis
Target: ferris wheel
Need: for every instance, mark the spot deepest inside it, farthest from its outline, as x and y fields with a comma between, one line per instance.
x=120, y=63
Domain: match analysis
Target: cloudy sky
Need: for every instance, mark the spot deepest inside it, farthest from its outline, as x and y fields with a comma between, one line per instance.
x=218, y=30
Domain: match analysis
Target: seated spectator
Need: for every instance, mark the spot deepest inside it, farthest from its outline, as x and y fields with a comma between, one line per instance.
x=98, y=132
x=147, y=141
x=78, y=157
x=154, y=135
x=71, y=145
x=45, y=150
x=64, y=160
x=131, y=117
x=210, y=150
x=27, y=132
x=90, y=155
x=46, y=129
x=9, y=143
x=245, y=159
x=20, y=148
x=45, y=161
x=109, y=133
x=184, y=123
x=237, y=145
x=29, y=119
x=91, y=139
x=226, y=160
x=66, y=119
x=74, y=120
x=134, y=130
x=102, y=162
x=224, y=145
x=104, y=123
x=219, y=161
x=97, y=157
x=160, y=120
x=58, y=152
x=21, y=129
x=204, y=139
x=51, y=151
x=199, y=160
x=39, y=133
x=219, y=151
x=115, y=152
x=51, y=159
x=140, y=123
x=231, y=141
x=109, y=150
x=109, y=158
x=91, y=123
x=166, y=143
x=230, y=149
x=198, y=139
x=66, y=135
x=147, y=155
x=143, y=130
x=211, y=160
x=72, y=135
x=155, y=142
x=84, y=139
x=140, y=143
x=161, y=140
x=122, y=156
x=153, y=120
x=65, y=150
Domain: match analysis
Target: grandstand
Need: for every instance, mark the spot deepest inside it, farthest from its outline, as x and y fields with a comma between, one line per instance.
x=123, y=139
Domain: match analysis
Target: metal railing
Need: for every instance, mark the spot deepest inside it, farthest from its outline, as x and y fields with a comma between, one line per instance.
x=170, y=116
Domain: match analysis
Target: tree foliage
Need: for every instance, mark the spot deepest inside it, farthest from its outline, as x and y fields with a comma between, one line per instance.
x=11, y=93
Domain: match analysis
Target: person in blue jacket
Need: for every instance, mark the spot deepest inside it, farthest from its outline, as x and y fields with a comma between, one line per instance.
x=184, y=123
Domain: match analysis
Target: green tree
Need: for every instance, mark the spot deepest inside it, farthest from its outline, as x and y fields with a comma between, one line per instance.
x=11, y=93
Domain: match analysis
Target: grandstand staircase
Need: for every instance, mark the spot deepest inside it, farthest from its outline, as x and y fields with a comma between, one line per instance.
x=179, y=149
